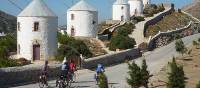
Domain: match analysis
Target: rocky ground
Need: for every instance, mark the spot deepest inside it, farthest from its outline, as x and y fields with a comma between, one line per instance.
x=191, y=65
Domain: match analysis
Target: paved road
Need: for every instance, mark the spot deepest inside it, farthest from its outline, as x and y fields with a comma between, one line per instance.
x=117, y=74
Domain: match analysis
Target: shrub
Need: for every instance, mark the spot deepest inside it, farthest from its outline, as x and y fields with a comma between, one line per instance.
x=144, y=74
x=161, y=8
x=81, y=47
x=134, y=79
x=139, y=18
x=152, y=9
x=121, y=42
x=180, y=47
x=8, y=63
x=198, y=85
x=125, y=29
x=66, y=51
x=199, y=40
x=103, y=82
x=73, y=46
x=3, y=52
x=64, y=39
x=176, y=77
x=177, y=36
x=9, y=42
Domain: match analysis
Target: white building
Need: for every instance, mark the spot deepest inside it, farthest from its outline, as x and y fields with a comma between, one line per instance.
x=146, y=2
x=121, y=10
x=82, y=20
x=136, y=7
x=37, y=32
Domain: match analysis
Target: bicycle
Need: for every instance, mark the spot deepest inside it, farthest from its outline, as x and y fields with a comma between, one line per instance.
x=43, y=81
x=96, y=77
x=63, y=81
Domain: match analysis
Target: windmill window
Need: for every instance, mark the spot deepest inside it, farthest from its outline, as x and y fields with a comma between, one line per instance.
x=36, y=26
x=18, y=26
x=93, y=22
x=122, y=7
x=72, y=16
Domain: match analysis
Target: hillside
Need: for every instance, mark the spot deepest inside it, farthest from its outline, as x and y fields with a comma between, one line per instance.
x=194, y=9
x=191, y=66
x=7, y=22
x=169, y=22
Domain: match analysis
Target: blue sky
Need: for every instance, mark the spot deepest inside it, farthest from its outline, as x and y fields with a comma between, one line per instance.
x=60, y=7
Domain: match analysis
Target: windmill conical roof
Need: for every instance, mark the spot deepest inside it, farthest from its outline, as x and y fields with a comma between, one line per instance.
x=82, y=5
x=37, y=8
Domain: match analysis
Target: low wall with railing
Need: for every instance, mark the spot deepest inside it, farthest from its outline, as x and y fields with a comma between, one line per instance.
x=110, y=59
x=30, y=73
x=26, y=74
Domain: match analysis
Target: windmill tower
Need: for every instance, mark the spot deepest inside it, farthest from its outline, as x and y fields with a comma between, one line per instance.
x=37, y=32
x=146, y=2
x=121, y=10
x=82, y=20
x=136, y=7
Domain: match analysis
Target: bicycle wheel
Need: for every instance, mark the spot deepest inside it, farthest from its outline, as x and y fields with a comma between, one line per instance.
x=41, y=83
x=68, y=83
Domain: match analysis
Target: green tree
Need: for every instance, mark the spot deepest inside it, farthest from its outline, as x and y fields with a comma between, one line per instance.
x=77, y=46
x=198, y=85
x=125, y=29
x=134, y=79
x=3, y=52
x=121, y=42
x=144, y=74
x=180, y=47
x=81, y=47
x=66, y=51
x=176, y=76
x=103, y=82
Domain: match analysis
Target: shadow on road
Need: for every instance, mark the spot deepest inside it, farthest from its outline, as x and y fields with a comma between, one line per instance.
x=84, y=81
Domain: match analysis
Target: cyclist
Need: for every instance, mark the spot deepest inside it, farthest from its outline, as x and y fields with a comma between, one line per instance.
x=72, y=69
x=44, y=73
x=99, y=70
x=65, y=69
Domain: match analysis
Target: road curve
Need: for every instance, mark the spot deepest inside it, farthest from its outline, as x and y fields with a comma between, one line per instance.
x=117, y=74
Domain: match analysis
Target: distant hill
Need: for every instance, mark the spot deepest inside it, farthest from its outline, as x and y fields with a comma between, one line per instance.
x=193, y=9
x=7, y=23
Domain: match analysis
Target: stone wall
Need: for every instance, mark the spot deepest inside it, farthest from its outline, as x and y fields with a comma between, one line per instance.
x=164, y=38
x=110, y=59
x=159, y=17
x=25, y=74
x=30, y=73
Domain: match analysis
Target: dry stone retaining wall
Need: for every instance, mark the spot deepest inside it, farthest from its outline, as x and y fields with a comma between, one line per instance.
x=164, y=38
x=159, y=17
